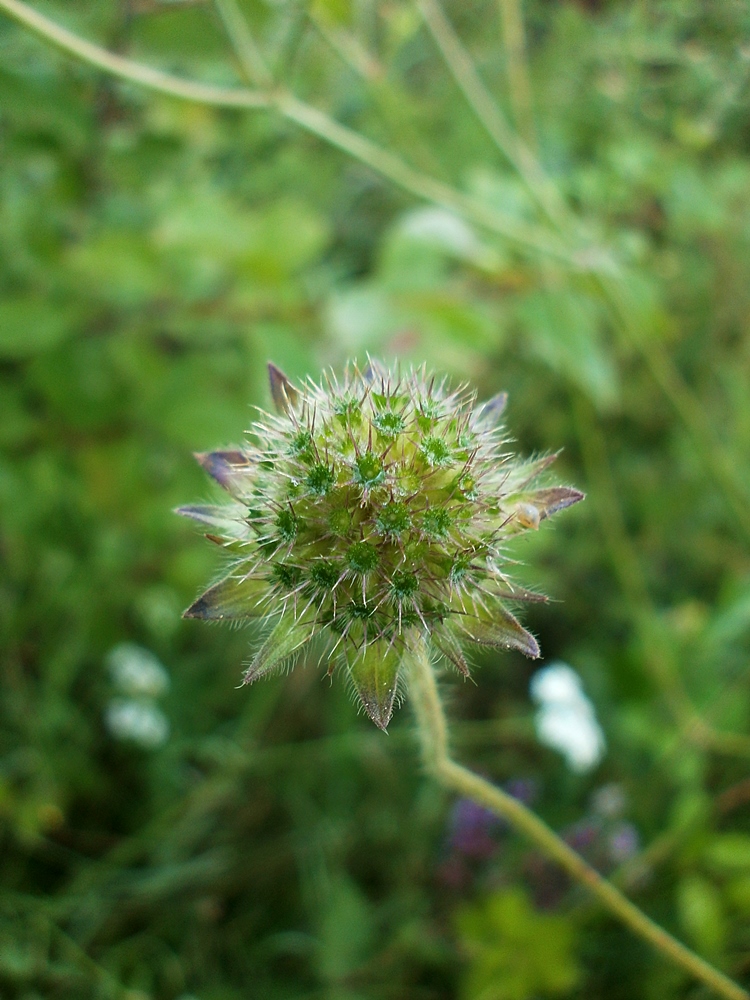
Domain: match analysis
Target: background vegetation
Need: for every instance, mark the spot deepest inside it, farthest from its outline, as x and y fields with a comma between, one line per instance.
x=154, y=254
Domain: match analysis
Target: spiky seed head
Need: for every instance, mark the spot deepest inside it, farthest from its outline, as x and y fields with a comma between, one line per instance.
x=374, y=511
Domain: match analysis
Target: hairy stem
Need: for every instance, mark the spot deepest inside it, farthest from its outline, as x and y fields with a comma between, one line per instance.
x=433, y=733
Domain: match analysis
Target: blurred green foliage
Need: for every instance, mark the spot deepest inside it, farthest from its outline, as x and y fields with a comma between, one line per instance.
x=153, y=256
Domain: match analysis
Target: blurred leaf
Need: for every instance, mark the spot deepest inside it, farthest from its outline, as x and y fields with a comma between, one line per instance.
x=701, y=914
x=729, y=851
x=346, y=930
x=515, y=952
x=29, y=325
x=563, y=328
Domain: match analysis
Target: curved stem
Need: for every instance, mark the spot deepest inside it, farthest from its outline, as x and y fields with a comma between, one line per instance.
x=128, y=69
x=433, y=733
x=382, y=161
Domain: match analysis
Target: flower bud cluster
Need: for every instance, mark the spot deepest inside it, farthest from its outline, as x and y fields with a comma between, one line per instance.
x=374, y=510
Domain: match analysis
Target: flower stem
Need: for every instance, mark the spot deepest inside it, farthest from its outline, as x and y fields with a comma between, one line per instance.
x=433, y=733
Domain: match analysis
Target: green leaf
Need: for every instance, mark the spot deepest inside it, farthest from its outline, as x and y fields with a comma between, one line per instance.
x=346, y=929
x=30, y=325
x=729, y=852
x=701, y=913
x=563, y=328
x=374, y=672
x=232, y=599
x=514, y=952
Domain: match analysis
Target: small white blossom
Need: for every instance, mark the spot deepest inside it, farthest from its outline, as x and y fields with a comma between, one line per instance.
x=139, y=721
x=566, y=720
x=136, y=671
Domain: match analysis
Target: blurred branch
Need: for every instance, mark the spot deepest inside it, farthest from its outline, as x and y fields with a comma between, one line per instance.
x=545, y=192
x=433, y=734
x=484, y=106
x=347, y=46
x=684, y=403
x=425, y=187
x=656, y=650
x=128, y=69
x=380, y=160
x=519, y=86
x=249, y=55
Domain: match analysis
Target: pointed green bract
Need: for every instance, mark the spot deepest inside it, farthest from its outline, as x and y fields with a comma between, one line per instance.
x=231, y=599
x=502, y=630
x=374, y=672
x=285, y=396
x=230, y=469
x=373, y=510
x=447, y=643
x=287, y=637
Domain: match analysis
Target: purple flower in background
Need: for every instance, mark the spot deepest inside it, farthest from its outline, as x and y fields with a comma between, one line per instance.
x=471, y=830
x=583, y=836
x=623, y=842
x=525, y=790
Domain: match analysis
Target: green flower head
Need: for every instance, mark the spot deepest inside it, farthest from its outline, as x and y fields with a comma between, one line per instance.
x=373, y=512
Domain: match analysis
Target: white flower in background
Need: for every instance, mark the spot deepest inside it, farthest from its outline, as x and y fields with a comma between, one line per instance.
x=140, y=677
x=565, y=719
x=441, y=228
x=139, y=721
x=137, y=672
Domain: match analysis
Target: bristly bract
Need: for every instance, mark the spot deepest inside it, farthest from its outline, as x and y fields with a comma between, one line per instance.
x=374, y=510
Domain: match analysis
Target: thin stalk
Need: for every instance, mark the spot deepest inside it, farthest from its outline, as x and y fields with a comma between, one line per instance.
x=462, y=69
x=383, y=162
x=667, y=377
x=656, y=651
x=427, y=188
x=128, y=69
x=548, y=198
x=249, y=55
x=519, y=85
x=406, y=177
x=347, y=46
x=433, y=734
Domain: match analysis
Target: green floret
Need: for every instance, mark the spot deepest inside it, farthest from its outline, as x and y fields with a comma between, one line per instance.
x=404, y=585
x=436, y=523
x=368, y=470
x=287, y=525
x=325, y=574
x=362, y=557
x=393, y=519
x=320, y=480
x=288, y=576
x=389, y=424
x=436, y=452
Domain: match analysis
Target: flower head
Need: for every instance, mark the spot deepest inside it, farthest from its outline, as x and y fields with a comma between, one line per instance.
x=374, y=511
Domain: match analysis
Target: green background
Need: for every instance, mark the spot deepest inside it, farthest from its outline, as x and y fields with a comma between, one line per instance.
x=153, y=256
